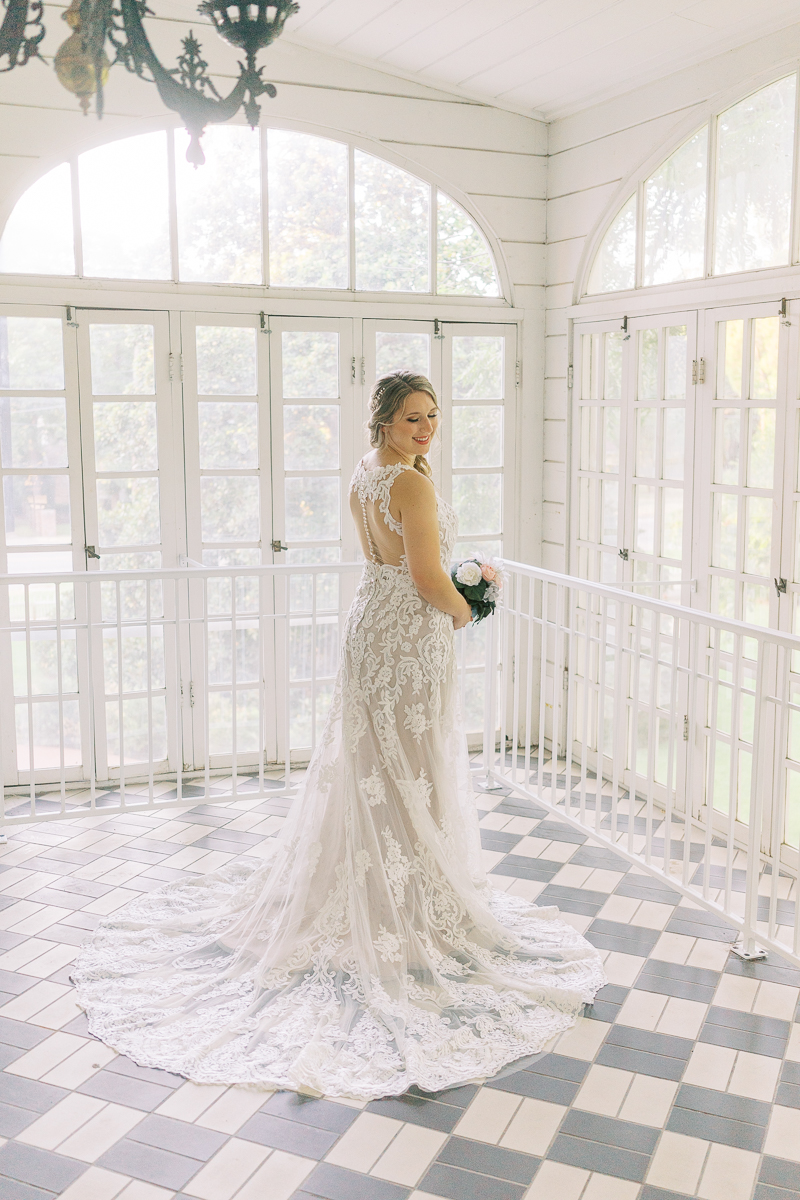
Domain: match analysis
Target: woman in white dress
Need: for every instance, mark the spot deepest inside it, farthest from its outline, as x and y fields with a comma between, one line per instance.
x=368, y=953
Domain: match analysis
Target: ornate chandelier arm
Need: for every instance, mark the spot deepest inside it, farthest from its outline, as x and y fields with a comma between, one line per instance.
x=17, y=46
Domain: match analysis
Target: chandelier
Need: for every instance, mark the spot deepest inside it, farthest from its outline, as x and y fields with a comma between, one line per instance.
x=82, y=64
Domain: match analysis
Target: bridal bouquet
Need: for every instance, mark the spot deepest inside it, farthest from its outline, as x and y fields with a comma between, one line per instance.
x=479, y=580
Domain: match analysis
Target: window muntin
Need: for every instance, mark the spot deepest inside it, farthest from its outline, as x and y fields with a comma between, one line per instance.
x=751, y=171
x=205, y=225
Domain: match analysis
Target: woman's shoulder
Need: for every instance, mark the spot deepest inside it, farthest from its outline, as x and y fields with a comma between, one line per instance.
x=412, y=485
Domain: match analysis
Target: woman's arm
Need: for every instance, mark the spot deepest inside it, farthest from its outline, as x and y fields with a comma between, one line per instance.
x=415, y=497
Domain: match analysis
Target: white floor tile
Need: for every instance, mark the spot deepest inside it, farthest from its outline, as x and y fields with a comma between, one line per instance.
x=32, y=1001
x=42, y=1058
x=556, y=1181
x=755, y=1075
x=229, y=1113
x=710, y=1066
x=533, y=1127
x=603, y=1090
x=62, y=1120
x=188, y=1102
x=225, y=1173
x=96, y=1184
x=278, y=1178
x=359, y=1148
x=407, y=1157
x=79, y=1067
x=488, y=1115
x=101, y=1132
x=783, y=1135
x=677, y=1163
x=729, y=1174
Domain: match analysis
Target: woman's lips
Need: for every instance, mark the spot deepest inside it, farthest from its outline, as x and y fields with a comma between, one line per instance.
x=422, y=441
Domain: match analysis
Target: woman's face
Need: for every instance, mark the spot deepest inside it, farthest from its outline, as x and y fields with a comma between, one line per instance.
x=412, y=432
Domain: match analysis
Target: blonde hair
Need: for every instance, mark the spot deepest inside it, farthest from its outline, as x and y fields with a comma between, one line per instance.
x=386, y=403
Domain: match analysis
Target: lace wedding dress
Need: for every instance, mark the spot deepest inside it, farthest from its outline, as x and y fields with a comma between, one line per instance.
x=367, y=954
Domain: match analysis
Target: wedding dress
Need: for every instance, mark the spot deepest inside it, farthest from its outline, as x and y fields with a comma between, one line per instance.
x=367, y=954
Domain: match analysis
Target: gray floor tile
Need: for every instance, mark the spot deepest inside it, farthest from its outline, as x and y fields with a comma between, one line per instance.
x=455, y=1184
x=8, y=1054
x=62, y=899
x=575, y=900
x=772, y=970
x=19, y=1033
x=790, y=1072
x=12, y=1189
x=788, y=1095
x=745, y=1031
x=537, y=1087
x=643, y=887
x=322, y=1114
x=599, y=857
x=597, y=1156
x=630, y=939
x=496, y=839
x=67, y=935
x=150, y=1164
x=780, y=1173
x=716, y=1129
x=489, y=1160
x=336, y=1183
x=765, y=1192
x=30, y=1093
x=10, y=981
x=122, y=1065
x=287, y=1135
x=558, y=831
x=521, y=867
x=13, y=1120
x=430, y=1113
x=692, y=923
x=9, y=940
x=41, y=1168
x=645, y=1053
x=723, y=1104
x=81, y=920
x=178, y=1136
x=517, y=807
x=653, y=1043
x=624, y=1134
x=461, y=1096
x=121, y=1089
x=653, y=1193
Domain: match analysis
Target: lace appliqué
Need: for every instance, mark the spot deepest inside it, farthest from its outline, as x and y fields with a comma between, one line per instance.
x=416, y=722
x=373, y=788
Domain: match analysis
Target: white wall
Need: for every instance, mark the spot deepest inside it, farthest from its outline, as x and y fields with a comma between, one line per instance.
x=496, y=158
x=590, y=154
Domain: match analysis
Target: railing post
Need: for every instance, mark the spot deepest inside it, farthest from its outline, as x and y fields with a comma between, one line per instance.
x=484, y=781
x=745, y=947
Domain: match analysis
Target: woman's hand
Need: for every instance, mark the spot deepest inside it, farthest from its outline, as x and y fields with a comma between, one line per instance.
x=463, y=618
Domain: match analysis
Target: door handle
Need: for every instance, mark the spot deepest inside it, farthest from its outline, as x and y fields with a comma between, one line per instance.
x=91, y=552
x=278, y=545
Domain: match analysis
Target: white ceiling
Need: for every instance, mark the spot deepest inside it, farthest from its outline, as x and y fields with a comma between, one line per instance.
x=544, y=57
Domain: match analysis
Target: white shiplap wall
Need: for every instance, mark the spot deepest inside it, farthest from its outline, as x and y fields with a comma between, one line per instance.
x=590, y=155
x=497, y=158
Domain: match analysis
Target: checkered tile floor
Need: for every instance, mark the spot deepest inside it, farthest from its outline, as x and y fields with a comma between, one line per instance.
x=682, y=1080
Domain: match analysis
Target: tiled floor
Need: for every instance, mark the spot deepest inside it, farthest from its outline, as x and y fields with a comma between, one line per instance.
x=683, y=1079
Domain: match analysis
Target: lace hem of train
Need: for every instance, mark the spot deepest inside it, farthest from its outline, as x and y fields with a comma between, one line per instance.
x=324, y=1035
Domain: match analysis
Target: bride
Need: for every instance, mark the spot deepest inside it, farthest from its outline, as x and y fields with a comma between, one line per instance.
x=368, y=954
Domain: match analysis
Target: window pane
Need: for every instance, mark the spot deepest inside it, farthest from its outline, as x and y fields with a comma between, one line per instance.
x=672, y=523
x=125, y=436
x=228, y=434
x=33, y=432
x=725, y=520
x=613, y=269
x=37, y=509
x=392, y=228
x=477, y=501
x=37, y=239
x=310, y=365
x=674, y=443
x=144, y=730
x=675, y=215
x=612, y=383
x=759, y=535
x=755, y=143
x=127, y=512
x=648, y=364
x=219, y=207
x=46, y=737
x=761, y=448
x=310, y=437
x=308, y=244
x=464, y=266
x=226, y=361
x=123, y=187
x=726, y=452
x=610, y=513
x=402, y=351
x=31, y=353
x=731, y=342
x=611, y=440
x=478, y=368
x=229, y=509
x=646, y=442
x=312, y=510
x=122, y=360
x=477, y=436
x=675, y=382
x=645, y=501
x=765, y=358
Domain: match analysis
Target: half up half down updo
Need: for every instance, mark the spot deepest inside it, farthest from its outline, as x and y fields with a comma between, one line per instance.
x=386, y=403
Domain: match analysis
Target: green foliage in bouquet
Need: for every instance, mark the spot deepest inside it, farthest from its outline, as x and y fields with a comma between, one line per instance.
x=480, y=592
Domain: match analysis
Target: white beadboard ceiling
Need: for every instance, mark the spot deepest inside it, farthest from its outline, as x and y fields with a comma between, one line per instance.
x=546, y=58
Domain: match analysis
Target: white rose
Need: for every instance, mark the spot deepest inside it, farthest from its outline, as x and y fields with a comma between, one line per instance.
x=469, y=573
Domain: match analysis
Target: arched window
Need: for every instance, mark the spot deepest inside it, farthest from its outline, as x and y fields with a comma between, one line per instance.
x=750, y=177
x=145, y=213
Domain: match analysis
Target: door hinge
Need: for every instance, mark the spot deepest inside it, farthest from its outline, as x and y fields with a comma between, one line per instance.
x=71, y=317
x=437, y=329
x=176, y=363
x=570, y=376
x=363, y=372
x=353, y=369
x=699, y=370
x=623, y=555
x=517, y=374
x=91, y=552
x=190, y=689
x=263, y=323
x=780, y=586
x=278, y=545
x=686, y=729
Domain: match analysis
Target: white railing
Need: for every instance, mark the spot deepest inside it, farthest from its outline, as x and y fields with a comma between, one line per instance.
x=679, y=732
